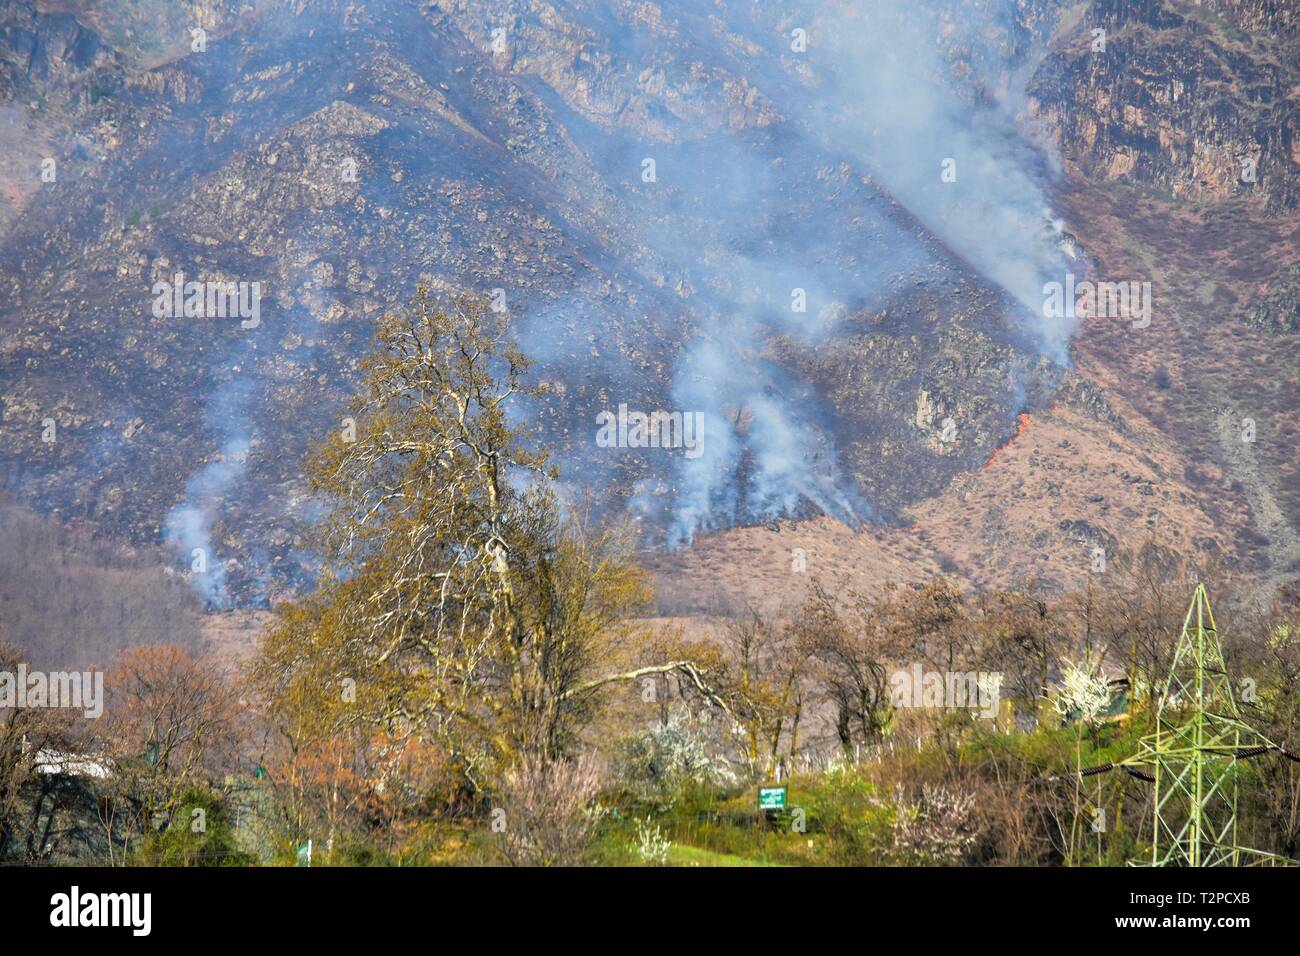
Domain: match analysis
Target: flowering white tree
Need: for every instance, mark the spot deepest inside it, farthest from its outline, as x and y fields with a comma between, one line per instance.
x=938, y=828
x=662, y=759
x=1083, y=696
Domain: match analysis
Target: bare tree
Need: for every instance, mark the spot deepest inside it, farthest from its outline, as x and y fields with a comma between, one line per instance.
x=849, y=648
x=172, y=722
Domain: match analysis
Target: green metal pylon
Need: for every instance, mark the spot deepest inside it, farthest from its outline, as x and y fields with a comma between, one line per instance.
x=1194, y=750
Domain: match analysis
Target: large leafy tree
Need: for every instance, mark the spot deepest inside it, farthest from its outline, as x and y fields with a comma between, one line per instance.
x=459, y=607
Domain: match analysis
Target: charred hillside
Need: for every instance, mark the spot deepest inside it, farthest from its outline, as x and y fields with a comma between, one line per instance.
x=860, y=334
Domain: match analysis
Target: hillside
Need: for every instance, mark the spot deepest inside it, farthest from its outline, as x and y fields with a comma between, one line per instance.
x=316, y=149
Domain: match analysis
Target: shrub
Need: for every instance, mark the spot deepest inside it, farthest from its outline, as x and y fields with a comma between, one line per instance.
x=936, y=829
x=549, y=818
x=198, y=833
x=652, y=846
x=663, y=760
x=858, y=826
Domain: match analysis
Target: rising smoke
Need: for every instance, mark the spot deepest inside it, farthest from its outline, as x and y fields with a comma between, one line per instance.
x=902, y=92
x=837, y=194
x=188, y=526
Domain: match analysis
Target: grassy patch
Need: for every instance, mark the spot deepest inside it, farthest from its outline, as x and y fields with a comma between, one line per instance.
x=695, y=856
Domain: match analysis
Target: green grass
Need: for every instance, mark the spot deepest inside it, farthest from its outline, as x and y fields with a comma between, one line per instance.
x=695, y=856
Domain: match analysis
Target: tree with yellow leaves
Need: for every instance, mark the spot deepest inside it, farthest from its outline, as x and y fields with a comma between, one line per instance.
x=459, y=606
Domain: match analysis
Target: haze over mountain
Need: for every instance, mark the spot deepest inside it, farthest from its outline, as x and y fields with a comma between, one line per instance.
x=824, y=226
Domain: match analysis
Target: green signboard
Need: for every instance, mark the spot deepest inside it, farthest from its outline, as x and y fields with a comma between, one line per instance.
x=771, y=798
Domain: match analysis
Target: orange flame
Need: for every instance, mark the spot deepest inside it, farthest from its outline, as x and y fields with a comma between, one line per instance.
x=1020, y=430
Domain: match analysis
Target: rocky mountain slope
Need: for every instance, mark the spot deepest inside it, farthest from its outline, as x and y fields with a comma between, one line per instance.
x=918, y=417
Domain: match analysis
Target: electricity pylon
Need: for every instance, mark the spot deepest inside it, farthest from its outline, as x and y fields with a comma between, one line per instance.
x=1198, y=740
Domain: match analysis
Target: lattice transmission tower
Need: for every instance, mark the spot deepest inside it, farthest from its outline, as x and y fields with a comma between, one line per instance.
x=1195, y=753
